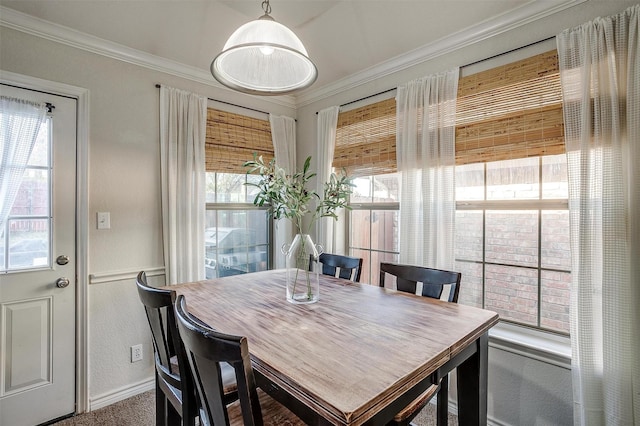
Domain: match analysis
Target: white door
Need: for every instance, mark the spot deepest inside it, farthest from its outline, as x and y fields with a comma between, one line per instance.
x=37, y=276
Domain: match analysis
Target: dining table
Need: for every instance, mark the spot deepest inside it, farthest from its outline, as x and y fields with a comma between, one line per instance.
x=358, y=355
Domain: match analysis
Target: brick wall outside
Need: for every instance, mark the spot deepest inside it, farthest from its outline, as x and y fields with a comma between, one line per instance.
x=512, y=239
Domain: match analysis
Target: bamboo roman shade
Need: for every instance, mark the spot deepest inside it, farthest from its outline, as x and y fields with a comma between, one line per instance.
x=366, y=139
x=233, y=138
x=511, y=111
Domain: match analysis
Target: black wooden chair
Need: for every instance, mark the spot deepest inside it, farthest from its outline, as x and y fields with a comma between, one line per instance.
x=206, y=350
x=176, y=401
x=348, y=267
x=434, y=282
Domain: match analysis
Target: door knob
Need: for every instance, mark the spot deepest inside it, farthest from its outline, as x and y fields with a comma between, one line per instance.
x=62, y=282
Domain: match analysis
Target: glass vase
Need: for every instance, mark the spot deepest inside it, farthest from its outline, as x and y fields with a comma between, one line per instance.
x=302, y=269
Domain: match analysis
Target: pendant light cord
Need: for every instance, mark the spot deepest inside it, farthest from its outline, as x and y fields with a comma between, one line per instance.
x=266, y=7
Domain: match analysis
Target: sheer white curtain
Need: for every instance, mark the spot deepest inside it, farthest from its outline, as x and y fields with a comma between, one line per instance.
x=20, y=122
x=283, y=134
x=600, y=74
x=183, y=119
x=425, y=145
x=327, y=123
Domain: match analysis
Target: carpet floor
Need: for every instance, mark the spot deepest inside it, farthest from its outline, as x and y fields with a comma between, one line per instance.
x=139, y=410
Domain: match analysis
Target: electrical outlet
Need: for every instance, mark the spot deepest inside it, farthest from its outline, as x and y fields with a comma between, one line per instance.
x=136, y=353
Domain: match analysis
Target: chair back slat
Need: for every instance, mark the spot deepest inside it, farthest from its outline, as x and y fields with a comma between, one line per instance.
x=434, y=281
x=347, y=267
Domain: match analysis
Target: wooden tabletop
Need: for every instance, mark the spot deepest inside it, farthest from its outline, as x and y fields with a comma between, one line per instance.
x=349, y=355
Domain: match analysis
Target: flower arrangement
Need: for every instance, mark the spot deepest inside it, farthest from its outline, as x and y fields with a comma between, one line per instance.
x=289, y=196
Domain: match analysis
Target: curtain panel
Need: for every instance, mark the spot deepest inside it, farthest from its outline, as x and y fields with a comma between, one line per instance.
x=183, y=118
x=600, y=74
x=20, y=122
x=327, y=124
x=426, y=114
x=283, y=133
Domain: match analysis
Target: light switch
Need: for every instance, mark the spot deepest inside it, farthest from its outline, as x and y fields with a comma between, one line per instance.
x=104, y=220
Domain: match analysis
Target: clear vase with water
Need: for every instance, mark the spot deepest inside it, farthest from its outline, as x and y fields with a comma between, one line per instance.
x=302, y=269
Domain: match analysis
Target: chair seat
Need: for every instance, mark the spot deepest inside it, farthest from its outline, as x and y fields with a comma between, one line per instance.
x=414, y=406
x=273, y=413
x=229, y=384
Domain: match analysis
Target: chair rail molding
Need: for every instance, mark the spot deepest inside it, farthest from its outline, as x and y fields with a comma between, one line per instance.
x=111, y=276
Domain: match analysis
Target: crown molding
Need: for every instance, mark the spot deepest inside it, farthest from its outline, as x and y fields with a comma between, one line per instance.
x=529, y=12
x=23, y=22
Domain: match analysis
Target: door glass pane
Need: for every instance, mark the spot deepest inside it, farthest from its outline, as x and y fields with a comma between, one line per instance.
x=513, y=293
x=513, y=179
x=40, y=153
x=33, y=196
x=28, y=243
x=512, y=237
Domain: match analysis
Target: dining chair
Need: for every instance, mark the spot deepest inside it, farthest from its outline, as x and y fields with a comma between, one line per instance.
x=206, y=350
x=434, y=283
x=176, y=401
x=347, y=267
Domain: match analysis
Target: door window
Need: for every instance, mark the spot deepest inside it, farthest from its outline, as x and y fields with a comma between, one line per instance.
x=25, y=241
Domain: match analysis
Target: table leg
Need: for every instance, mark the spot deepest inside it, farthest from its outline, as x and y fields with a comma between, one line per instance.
x=472, y=385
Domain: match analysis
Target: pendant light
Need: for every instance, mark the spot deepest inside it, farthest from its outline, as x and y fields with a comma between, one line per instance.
x=263, y=57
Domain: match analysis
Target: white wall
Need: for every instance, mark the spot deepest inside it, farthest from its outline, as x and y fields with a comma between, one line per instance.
x=124, y=179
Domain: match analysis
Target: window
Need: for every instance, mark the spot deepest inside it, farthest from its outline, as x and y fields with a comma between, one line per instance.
x=238, y=235
x=25, y=239
x=512, y=239
x=366, y=148
x=373, y=223
x=512, y=221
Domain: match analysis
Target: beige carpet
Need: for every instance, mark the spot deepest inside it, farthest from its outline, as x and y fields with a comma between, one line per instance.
x=139, y=410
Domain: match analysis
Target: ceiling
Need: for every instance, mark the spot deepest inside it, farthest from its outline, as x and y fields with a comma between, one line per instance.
x=343, y=37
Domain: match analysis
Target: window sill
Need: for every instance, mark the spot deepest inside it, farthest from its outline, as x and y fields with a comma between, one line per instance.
x=535, y=344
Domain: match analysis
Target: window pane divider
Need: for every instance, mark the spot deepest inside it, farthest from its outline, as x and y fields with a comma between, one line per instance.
x=235, y=206
x=513, y=205
x=374, y=206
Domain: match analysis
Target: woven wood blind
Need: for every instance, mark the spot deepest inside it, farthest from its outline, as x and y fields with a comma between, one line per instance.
x=511, y=111
x=233, y=138
x=366, y=139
